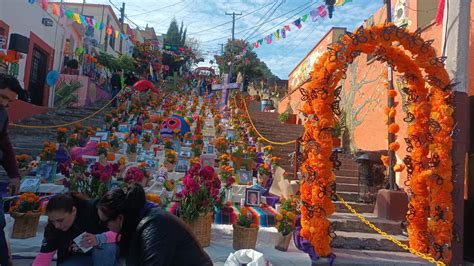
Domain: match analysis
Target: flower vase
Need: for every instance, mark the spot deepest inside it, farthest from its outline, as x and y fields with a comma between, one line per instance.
x=132, y=157
x=201, y=227
x=228, y=195
x=244, y=238
x=283, y=242
x=25, y=224
x=146, y=145
x=103, y=160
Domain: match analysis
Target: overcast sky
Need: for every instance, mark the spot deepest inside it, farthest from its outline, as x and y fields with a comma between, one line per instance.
x=259, y=18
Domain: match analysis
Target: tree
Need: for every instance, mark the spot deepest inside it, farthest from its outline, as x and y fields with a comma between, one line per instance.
x=175, y=38
x=354, y=113
x=248, y=64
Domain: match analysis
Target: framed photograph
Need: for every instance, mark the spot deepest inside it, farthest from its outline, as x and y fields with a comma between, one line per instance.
x=47, y=170
x=210, y=149
x=30, y=184
x=208, y=160
x=252, y=197
x=188, y=143
x=104, y=135
x=120, y=136
x=95, y=139
x=185, y=154
x=123, y=128
x=90, y=160
x=245, y=177
x=182, y=165
x=178, y=189
x=230, y=134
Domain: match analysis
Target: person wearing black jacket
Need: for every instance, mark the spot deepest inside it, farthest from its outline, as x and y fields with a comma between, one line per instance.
x=9, y=90
x=149, y=236
x=71, y=215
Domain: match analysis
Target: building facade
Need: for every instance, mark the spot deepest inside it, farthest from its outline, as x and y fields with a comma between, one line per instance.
x=24, y=24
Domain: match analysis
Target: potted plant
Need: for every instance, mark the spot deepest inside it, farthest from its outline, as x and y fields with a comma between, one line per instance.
x=26, y=212
x=132, y=148
x=23, y=164
x=49, y=151
x=61, y=137
x=198, y=197
x=245, y=231
x=102, y=152
x=285, y=225
x=114, y=144
x=146, y=141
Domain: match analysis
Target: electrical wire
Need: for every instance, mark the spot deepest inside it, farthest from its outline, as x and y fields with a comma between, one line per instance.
x=446, y=28
x=273, y=12
x=264, y=15
x=281, y=23
x=157, y=9
x=256, y=10
x=294, y=48
x=291, y=11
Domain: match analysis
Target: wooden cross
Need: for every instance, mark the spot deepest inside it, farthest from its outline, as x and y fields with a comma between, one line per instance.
x=225, y=87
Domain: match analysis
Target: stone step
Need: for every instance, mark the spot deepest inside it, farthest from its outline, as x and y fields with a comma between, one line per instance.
x=348, y=222
x=366, y=241
x=346, y=172
x=359, y=207
x=347, y=180
x=356, y=257
x=349, y=196
x=347, y=187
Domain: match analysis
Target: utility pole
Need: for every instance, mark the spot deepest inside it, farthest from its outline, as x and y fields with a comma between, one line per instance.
x=222, y=48
x=390, y=102
x=456, y=47
x=122, y=21
x=233, y=14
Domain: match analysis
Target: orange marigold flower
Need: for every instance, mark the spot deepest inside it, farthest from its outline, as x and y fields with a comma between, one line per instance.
x=393, y=128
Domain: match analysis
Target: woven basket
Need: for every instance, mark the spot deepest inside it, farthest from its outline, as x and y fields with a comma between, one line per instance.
x=244, y=238
x=25, y=225
x=201, y=228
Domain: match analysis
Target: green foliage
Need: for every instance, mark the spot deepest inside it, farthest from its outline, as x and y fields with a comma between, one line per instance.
x=249, y=64
x=283, y=117
x=65, y=93
x=124, y=62
x=175, y=36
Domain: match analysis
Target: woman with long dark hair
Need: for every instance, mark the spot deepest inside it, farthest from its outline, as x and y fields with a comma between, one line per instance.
x=69, y=216
x=148, y=235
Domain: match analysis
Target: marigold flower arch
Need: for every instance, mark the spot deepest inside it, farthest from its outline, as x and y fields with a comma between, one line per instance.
x=429, y=114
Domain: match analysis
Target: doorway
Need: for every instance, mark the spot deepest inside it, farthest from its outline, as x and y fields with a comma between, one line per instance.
x=39, y=64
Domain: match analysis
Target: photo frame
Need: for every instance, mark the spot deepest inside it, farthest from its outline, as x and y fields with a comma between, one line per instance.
x=182, y=165
x=252, y=197
x=208, y=160
x=104, y=135
x=120, y=136
x=210, y=149
x=123, y=128
x=178, y=188
x=185, y=154
x=245, y=177
x=188, y=143
x=30, y=184
x=230, y=134
x=95, y=139
x=90, y=160
x=47, y=170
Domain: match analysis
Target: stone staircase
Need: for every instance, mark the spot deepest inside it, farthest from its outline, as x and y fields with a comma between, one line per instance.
x=30, y=140
x=352, y=235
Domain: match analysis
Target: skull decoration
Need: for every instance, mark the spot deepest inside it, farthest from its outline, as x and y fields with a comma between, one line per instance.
x=170, y=126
